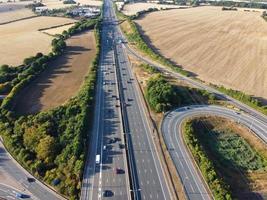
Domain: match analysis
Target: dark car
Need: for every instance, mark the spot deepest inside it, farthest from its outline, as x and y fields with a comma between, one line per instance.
x=30, y=180
x=119, y=171
x=121, y=146
x=107, y=193
x=110, y=141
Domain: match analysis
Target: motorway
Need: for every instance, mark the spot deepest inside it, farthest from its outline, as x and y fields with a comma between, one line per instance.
x=107, y=125
x=193, y=183
x=35, y=189
x=144, y=177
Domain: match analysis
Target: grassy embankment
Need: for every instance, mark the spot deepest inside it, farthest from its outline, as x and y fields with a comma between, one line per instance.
x=51, y=145
x=227, y=160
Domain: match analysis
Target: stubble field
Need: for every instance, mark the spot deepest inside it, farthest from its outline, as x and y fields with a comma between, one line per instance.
x=62, y=79
x=21, y=39
x=133, y=8
x=222, y=47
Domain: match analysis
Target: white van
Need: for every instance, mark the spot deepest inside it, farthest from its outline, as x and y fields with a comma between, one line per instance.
x=97, y=159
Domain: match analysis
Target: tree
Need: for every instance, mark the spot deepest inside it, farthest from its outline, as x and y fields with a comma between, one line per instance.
x=31, y=138
x=47, y=149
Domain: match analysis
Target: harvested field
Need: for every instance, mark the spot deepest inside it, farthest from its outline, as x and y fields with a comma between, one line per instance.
x=222, y=47
x=6, y=17
x=14, y=11
x=53, y=4
x=133, y=8
x=62, y=79
x=58, y=30
x=21, y=39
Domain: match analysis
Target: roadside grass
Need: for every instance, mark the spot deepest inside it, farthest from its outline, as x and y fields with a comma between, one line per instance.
x=236, y=162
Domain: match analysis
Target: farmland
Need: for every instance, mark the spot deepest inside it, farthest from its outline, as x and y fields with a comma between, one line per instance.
x=66, y=73
x=16, y=37
x=227, y=48
x=53, y=4
x=14, y=11
x=131, y=9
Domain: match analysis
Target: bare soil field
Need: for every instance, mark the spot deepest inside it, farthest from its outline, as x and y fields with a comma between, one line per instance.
x=133, y=8
x=222, y=47
x=62, y=79
x=21, y=39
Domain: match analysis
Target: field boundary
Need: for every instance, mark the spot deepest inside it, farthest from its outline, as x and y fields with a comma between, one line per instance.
x=21, y=19
x=57, y=26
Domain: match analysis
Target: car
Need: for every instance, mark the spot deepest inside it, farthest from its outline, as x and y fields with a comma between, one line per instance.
x=121, y=146
x=21, y=195
x=30, y=179
x=104, y=147
x=107, y=193
x=110, y=141
x=129, y=99
x=119, y=171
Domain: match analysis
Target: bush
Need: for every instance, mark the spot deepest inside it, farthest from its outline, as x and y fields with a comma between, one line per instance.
x=219, y=189
x=161, y=95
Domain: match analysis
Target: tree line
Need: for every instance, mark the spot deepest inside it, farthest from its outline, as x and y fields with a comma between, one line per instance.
x=52, y=144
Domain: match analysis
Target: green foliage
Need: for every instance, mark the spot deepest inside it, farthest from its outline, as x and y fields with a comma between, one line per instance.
x=239, y=4
x=219, y=189
x=161, y=95
x=150, y=69
x=52, y=144
x=247, y=99
x=69, y=2
x=233, y=150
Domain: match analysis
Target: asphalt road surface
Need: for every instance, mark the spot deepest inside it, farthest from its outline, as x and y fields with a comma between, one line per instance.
x=128, y=117
x=194, y=186
x=107, y=126
x=35, y=189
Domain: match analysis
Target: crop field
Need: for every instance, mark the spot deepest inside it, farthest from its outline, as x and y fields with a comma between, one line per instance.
x=133, y=8
x=21, y=39
x=62, y=79
x=221, y=47
x=14, y=11
x=15, y=15
x=56, y=4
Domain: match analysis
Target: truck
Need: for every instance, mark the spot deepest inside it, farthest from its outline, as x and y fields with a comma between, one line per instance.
x=97, y=159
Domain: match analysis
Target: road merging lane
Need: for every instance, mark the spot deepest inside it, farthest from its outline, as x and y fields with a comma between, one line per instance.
x=194, y=186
